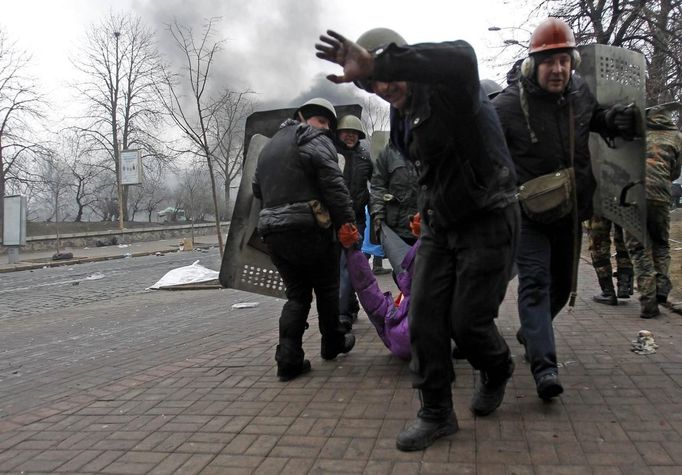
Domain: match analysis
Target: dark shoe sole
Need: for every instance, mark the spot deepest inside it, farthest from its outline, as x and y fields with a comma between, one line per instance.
x=606, y=300
x=284, y=376
x=549, y=391
x=428, y=441
x=348, y=344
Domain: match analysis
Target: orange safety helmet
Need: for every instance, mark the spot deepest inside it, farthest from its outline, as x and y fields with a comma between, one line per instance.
x=552, y=33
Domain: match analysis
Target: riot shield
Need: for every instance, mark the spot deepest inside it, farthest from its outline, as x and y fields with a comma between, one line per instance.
x=617, y=75
x=246, y=264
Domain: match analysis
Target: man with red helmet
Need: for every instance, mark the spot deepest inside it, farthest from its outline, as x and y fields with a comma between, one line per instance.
x=546, y=116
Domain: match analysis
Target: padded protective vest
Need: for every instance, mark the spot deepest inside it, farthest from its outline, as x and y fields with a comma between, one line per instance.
x=281, y=174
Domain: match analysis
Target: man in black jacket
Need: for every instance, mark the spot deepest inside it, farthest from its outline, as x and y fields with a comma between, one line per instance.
x=297, y=173
x=357, y=171
x=443, y=122
x=536, y=112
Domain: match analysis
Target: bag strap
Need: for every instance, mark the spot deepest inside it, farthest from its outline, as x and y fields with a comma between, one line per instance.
x=577, y=235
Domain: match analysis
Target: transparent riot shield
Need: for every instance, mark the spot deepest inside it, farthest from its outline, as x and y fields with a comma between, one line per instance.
x=246, y=264
x=617, y=75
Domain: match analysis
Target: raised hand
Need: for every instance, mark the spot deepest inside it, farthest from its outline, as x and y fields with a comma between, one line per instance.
x=356, y=61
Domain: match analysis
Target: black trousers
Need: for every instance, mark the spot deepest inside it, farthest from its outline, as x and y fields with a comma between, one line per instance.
x=459, y=282
x=307, y=261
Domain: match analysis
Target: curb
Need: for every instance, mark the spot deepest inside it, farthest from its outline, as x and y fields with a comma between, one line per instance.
x=80, y=260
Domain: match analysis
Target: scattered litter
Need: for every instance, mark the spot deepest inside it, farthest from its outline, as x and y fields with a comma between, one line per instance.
x=191, y=274
x=644, y=344
x=123, y=245
x=95, y=276
x=158, y=253
x=245, y=305
x=62, y=256
x=127, y=255
x=566, y=363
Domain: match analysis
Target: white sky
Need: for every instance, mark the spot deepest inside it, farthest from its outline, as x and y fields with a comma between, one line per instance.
x=271, y=50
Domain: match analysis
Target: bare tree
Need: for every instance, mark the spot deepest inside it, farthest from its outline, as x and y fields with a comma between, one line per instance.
x=149, y=195
x=20, y=107
x=226, y=135
x=653, y=27
x=55, y=177
x=121, y=66
x=197, y=116
x=375, y=114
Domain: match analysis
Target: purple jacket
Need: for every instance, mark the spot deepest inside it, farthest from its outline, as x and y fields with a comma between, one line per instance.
x=389, y=320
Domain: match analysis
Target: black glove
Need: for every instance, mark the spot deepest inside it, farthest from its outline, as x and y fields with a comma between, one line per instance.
x=622, y=120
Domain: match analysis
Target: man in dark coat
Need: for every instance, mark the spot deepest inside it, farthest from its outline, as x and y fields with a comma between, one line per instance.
x=357, y=171
x=393, y=193
x=443, y=122
x=297, y=176
x=535, y=113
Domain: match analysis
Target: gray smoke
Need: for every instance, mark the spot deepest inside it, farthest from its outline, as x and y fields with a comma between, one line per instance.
x=266, y=44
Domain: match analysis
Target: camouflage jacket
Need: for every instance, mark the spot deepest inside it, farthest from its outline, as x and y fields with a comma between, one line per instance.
x=663, y=156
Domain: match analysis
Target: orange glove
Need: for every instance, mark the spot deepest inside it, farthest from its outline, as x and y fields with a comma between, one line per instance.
x=416, y=224
x=348, y=235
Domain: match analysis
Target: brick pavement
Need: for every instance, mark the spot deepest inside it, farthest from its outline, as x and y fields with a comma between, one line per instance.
x=188, y=386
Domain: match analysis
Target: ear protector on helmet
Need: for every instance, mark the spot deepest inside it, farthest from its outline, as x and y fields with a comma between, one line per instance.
x=528, y=64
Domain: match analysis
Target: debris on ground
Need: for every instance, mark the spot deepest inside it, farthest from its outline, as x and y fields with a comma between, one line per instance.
x=191, y=274
x=644, y=344
x=245, y=305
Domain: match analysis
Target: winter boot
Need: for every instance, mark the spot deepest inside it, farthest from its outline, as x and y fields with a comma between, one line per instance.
x=548, y=386
x=346, y=321
x=290, y=362
x=608, y=293
x=435, y=419
x=330, y=350
x=624, y=279
x=649, y=309
x=489, y=391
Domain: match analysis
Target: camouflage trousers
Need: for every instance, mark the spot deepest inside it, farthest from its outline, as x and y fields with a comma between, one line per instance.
x=599, y=231
x=652, y=262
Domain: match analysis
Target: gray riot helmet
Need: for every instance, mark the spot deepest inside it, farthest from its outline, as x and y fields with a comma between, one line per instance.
x=373, y=40
x=376, y=38
x=490, y=88
x=318, y=106
x=350, y=122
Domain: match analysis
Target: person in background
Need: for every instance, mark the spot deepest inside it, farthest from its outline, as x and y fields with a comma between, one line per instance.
x=304, y=202
x=663, y=158
x=393, y=194
x=540, y=113
x=599, y=232
x=445, y=125
x=357, y=171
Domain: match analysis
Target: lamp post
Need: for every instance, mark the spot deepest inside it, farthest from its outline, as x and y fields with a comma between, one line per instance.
x=117, y=148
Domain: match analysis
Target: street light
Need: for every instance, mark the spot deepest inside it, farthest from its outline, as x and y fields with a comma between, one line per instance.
x=117, y=150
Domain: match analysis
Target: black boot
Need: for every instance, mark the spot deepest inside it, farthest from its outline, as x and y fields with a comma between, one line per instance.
x=290, y=362
x=649, y=309
x=489, y=391
x=608, y=293
x=624, y=279
x=331, y=349
x=435, y=419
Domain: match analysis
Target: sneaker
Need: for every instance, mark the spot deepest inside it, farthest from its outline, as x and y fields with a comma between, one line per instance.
x=489, y=394
x=287, y=373
x=548, y=386
x=329, y=352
